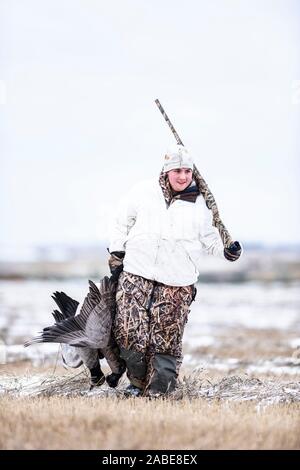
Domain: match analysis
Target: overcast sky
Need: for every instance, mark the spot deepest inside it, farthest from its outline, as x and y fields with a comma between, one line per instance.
x=79, y=126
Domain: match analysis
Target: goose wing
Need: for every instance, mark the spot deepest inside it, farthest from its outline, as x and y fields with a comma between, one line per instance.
x=90, y=328
x=67, y=306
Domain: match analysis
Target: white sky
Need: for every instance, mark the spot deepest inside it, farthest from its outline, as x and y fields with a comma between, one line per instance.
x=78, y=123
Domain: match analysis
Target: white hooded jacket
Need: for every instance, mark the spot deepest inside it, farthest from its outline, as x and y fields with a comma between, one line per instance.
x=163, y=244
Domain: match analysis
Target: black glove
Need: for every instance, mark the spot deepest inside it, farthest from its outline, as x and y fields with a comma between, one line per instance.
x=115, y=262
x=233, y=252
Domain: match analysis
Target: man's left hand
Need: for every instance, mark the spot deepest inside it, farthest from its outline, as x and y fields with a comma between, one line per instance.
x=233, y=252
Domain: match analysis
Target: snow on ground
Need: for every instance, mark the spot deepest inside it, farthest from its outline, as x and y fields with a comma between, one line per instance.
x=25, y=306
x=251, y=305
x=277, y=366
x=233, y=388
x=219, y=311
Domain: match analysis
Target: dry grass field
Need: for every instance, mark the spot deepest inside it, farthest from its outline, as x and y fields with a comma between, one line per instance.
x=87, y=423
x=107, y=420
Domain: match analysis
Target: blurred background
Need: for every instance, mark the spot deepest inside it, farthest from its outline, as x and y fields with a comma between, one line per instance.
x=79, y=126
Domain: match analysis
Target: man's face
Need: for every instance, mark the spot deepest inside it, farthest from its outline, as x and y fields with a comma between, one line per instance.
x=180, y=178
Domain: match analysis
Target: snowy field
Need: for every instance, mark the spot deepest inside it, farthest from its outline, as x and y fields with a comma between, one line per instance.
x=258, y=323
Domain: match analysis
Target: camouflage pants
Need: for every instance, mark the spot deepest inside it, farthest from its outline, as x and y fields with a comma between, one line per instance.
x=148, y=327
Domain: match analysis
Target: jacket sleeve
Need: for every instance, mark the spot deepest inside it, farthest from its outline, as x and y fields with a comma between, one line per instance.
x=210, y=238
x=123, y=221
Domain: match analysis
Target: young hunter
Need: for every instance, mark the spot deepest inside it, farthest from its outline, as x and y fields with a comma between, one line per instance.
x=160, y=230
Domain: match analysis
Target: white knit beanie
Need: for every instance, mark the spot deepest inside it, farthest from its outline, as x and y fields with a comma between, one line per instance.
x=177, y=157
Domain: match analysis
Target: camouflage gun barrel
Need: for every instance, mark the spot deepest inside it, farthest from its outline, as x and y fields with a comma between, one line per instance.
x=178, y=139
x=203, y=187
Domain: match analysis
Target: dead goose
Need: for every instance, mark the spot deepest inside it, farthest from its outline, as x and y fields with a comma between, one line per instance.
x=86, y=337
